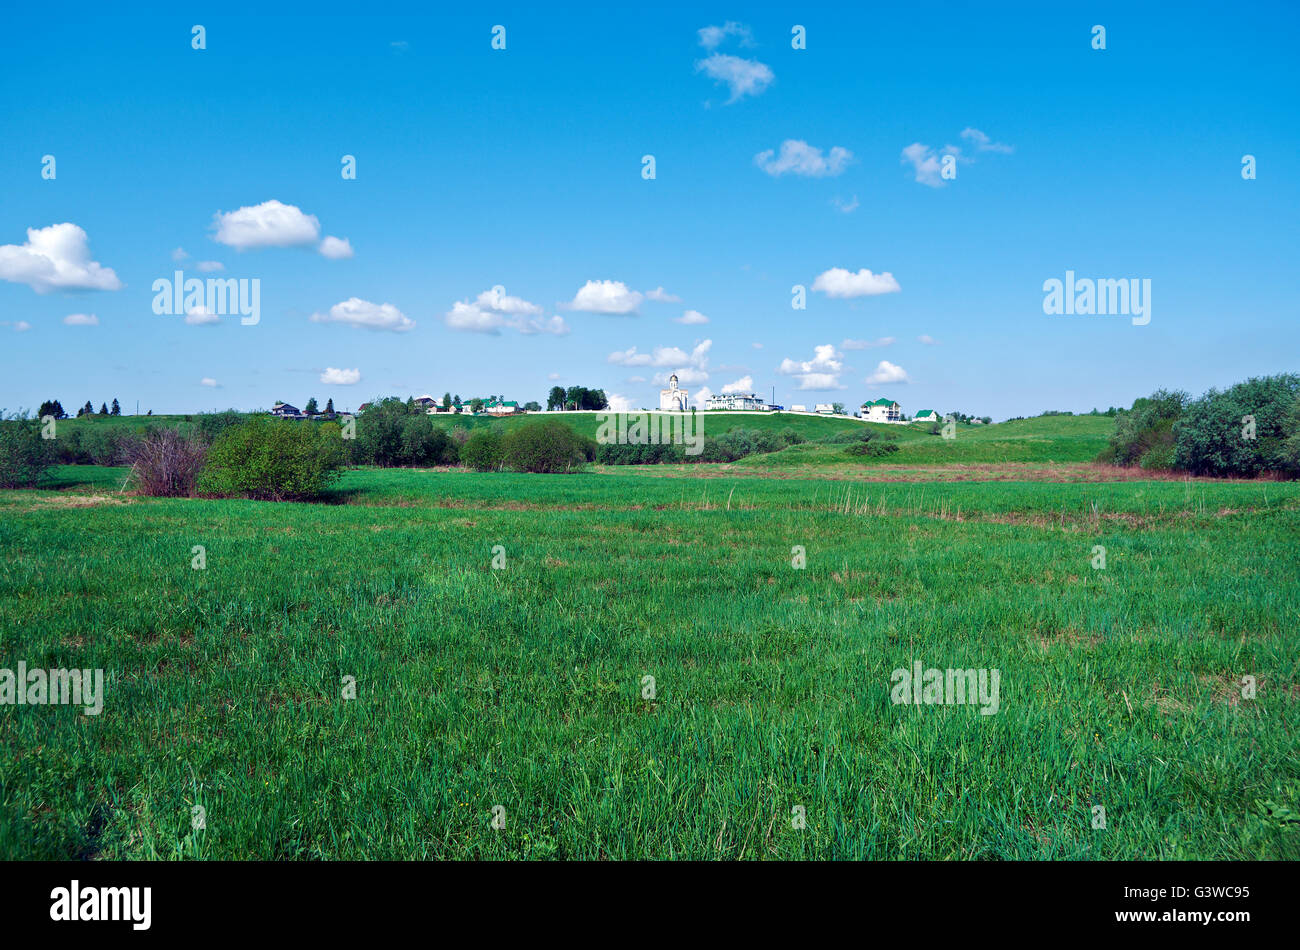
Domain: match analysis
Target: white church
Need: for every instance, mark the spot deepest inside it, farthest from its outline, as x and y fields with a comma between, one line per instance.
x=673, y=399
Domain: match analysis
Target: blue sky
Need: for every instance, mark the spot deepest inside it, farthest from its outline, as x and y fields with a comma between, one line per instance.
x=521, y=169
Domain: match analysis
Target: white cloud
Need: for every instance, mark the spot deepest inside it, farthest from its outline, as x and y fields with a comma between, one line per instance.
x=845, y=207
x=664, y=356
x=799, y=158
x=927, y=340
x=179, y=255
x=712, y=36
x=81, y=320
x=702, y=396
x=982, y=142
x=270, y=224
x=927, y=164
x=662, y=296
x=605, y=296
x=691, y=317
x=201, y=317
x=494, y=309
x=867, y=344
x=887, y=372
x=618, y=403
x=743, y=385
x=209, y=381
x=336, y=249
x=552, y=376
x=360, y=313
x=340, y=377
x=821, y=373
x=757, y=346
x=744, y=77
x=840, y=283
x=55, y=258
x=209, y=266
x=22, y=326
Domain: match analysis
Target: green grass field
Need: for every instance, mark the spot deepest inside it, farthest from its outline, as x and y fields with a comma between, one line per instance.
x=523, y=687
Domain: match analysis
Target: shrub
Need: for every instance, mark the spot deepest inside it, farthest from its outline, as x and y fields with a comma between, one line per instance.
x=274, y=460
x=874, y=448
x=545, y=446
x=379, y=433
x=1146, y=428
x=1212, y=437
x=482, y=450
x=210, y=425
x=25, y=457
x=166, y=464
x=425, y=443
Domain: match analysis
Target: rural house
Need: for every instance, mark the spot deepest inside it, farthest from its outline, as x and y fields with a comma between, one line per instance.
x=882, y=410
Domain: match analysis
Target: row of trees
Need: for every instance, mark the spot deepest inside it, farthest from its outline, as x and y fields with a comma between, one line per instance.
x=1247, y=430
x=52, y=407
x=576, y=397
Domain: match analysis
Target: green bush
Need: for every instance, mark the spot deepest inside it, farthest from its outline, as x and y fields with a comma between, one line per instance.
x=1214, y=437
x=1146, y=428
x=873, y=448
x=379, y=433
x=482, y=450
x=545, y=446
x=210, y=425
x=274, y=460
x=25, y=457
x=426, y=443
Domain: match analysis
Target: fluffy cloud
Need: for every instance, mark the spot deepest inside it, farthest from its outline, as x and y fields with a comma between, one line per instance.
x=686, y=376
x=662, y=296
x=702, y=396
x=799, y=158
x=743, y=385
x=605, y=296
x=927, y=163
x=336, y=249
x=845, y=207
x=356, y=312
x=927, y=340
x=691, y=317
x=340, y=377
x=22, y=326
x=494, y=309
x=821, y=373
x=270, y=224
x=744, y=77
x=55, y=258
x=840, y=283
x=867, y=344
x=201, y=317
x=887, y=372
x=982, y=142
x=664, y=356
x=618, y=403
x=712, y=36
x=179, y=255
x=209, y=381
x=81, y=320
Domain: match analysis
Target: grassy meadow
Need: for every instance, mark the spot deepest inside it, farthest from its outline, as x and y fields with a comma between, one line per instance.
x=524, y=687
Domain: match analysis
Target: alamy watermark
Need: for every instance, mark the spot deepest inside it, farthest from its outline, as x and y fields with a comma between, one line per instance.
x=935, y=687
x=213, y=297
x=651, y=428
x=1085, y=296
x=59, y=687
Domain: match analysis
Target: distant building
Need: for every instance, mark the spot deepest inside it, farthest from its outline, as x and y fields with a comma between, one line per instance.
x=926, y=415
x=497, y=407
x=286, y=411
x=736, y=402
x=673, y=399
x=882, y=410
x=824, y=408
x=798, y=408
x=425, y=402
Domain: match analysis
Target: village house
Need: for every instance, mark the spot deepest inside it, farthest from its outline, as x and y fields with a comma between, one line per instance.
x=882, y=410
x=285, y=411
x=926, y=415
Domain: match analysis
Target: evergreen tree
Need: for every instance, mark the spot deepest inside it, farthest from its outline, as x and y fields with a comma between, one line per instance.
x=116, y=410
x=103, y=408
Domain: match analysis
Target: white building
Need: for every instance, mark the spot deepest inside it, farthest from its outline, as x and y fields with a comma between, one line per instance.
x=673, y=399
x=825, y=408
x=798, y=408
x=736, y=402
x=882, y=410
x=926, y=415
